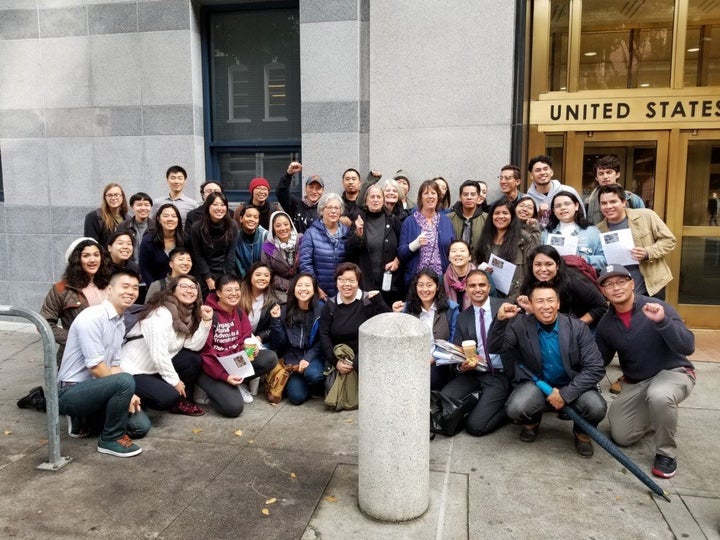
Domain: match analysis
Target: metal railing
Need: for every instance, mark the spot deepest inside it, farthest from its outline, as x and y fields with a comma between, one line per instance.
x=55, y=460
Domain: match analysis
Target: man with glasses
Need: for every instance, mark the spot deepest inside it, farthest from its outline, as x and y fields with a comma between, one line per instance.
x=509, y=184
x=652, y=344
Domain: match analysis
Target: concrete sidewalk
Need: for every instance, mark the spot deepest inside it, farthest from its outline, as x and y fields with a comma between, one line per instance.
x=211, y=477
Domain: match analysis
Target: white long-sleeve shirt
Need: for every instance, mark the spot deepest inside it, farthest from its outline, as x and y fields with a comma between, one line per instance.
x=154, y=353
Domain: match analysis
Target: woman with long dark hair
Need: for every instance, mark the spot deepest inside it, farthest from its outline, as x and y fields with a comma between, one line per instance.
x=426, y=300
x=300, y=345
x=213, y=238
x=158, y=243
x=227, y=336
x=259, y=301
x=444, y=199
x=527, y=214
x=504, y=237
x=568, y=220
x=162, y=347
x=579, y=295
x=82, y=284
x=103, y=221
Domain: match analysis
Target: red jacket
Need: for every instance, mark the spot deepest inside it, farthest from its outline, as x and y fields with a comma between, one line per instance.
x=228, y=332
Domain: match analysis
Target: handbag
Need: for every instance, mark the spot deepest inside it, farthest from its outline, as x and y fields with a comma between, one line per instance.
x=276, y=380
x=447, y=414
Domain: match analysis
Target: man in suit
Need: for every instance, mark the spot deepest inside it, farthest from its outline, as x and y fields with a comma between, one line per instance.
x=558, y=349
x=492, y=384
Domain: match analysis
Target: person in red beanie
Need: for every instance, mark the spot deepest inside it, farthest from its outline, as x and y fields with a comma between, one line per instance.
x=259, y=193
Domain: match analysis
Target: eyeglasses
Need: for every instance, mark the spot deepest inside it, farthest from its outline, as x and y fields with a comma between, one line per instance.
x=187, y=287
x=333, y=208
x=620, y=282
x=113, y=195
x=347, y=281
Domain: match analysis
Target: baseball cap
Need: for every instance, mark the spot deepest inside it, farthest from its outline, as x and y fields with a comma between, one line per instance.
x=613, y=270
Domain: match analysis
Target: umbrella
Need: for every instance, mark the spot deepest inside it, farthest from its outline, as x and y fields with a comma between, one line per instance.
x=601, y=439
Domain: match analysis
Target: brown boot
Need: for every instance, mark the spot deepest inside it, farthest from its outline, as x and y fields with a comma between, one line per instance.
x=583, y=445
x=616, y=387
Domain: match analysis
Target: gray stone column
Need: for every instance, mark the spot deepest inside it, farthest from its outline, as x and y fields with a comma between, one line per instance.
x=394, y=392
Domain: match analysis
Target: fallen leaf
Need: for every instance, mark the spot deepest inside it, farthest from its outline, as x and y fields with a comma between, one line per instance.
x=271, y=501
x=330, y=498
x=197, y=430
x=293, y=475
x=265, y=512
x=250, y=442
x=8, y=432
x=238, y=432
x=349, y=421
x=43, y=441
x=617, y=498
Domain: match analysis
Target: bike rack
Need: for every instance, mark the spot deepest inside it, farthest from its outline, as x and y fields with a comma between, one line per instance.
x=55, y=461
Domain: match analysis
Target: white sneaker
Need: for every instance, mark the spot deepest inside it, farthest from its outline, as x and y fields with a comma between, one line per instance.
x=200, y=396
x=245, y=393
x=254, y=386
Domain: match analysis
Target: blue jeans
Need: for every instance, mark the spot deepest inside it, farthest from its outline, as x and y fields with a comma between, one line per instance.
x=108, y=397
x=298, y=386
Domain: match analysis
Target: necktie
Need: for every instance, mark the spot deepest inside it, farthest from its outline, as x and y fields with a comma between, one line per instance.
x=483, y=339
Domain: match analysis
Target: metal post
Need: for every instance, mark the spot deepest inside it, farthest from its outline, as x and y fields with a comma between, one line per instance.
x=55, y=460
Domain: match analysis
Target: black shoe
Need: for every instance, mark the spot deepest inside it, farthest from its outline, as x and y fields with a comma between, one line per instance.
x=583, y=445
x=77, y=427
x=34, y=400
x=664, y=467
x=528, y=433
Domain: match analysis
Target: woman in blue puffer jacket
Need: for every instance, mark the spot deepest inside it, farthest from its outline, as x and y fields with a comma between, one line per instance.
x=323, y=245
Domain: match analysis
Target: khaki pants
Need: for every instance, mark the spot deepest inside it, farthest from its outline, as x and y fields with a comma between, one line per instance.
x=650, y=405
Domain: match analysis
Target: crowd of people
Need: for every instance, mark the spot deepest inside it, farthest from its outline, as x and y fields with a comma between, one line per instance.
x=159, y=293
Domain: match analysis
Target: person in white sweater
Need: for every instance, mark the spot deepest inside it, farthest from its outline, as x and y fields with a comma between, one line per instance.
x=161, y=351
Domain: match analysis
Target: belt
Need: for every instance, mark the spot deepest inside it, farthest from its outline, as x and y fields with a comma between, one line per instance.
x=64, y=384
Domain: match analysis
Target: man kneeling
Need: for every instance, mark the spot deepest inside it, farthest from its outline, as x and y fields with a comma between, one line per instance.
x=558, y=349
x=93, y=390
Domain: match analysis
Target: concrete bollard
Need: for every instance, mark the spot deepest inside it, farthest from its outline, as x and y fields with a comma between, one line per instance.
x=394, y=417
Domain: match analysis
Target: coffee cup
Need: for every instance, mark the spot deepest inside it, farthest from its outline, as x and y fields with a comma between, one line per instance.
x=250, y=346
x=469, y=347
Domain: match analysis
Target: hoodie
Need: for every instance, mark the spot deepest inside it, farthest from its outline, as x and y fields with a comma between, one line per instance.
x=226, y=337
x=541, y=198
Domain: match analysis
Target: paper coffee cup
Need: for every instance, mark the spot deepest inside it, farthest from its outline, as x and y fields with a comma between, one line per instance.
x=469, y=347
x=250, y=345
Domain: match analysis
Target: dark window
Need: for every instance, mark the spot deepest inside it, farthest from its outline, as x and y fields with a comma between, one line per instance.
x=252, y=72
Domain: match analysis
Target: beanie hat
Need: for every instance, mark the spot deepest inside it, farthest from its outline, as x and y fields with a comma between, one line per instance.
x=257, y=182
x=74, y=244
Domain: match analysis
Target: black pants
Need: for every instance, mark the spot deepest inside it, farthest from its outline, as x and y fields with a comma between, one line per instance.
x=157, y=394
x=489, y=413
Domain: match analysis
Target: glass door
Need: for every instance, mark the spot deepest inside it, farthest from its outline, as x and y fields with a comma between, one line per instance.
x=695, y=214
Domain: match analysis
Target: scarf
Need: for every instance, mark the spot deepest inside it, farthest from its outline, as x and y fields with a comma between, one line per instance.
x=454, y=285
x=183, y=321
x=288, y=248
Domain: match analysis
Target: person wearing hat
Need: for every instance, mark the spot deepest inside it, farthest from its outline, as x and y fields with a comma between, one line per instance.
x=83, y=284
x=401, y=177
x=652, y=344
x=259, y=193
x=303, y=211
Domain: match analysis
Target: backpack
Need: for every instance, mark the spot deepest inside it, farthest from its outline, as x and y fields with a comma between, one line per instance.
x=447, y=415
x=580, y=264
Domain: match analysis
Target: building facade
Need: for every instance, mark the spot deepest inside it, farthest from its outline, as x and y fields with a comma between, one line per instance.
x=117, y=91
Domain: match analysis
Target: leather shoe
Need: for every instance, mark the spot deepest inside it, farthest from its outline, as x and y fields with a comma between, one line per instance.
x=528, y=433
x=583, y=445
x=34, y=400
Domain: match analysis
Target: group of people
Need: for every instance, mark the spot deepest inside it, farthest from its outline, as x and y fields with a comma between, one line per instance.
x=300, y=276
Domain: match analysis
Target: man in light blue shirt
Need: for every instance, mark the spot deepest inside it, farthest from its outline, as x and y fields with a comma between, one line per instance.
x=93, y=391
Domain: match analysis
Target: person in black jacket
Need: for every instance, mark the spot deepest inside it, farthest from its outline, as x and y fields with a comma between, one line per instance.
x=372, y=244
x=103, y=221
x=560, y=350
x=302, y=210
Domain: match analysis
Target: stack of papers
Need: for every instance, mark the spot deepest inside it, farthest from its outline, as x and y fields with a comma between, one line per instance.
x=445, y=353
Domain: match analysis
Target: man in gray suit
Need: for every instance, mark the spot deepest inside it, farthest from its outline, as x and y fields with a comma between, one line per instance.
x=493, y=384
x=558, y=349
